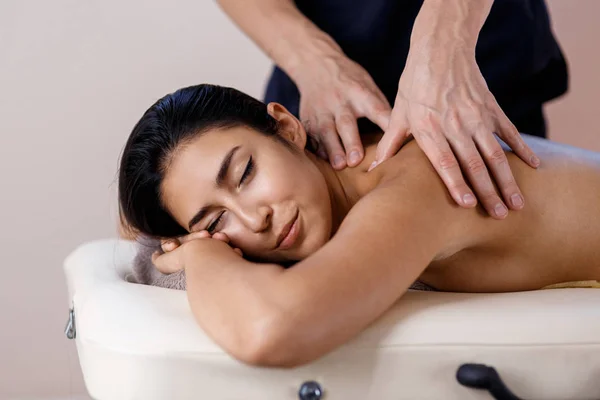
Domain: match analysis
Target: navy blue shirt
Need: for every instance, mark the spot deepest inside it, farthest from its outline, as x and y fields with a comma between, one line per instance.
x=516, y=50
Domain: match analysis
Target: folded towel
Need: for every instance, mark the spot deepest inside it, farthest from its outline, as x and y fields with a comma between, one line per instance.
x=574, y=284
x=145, y=272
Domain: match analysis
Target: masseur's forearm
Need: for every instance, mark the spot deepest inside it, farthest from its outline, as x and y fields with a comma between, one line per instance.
x=448, y=25
x=290, y=39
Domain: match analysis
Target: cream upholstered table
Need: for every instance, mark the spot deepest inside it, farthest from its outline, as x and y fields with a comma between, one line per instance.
x=141, y=342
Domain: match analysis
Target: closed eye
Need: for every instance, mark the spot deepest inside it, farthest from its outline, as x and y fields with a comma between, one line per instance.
x=247, y=171
x=215, y=224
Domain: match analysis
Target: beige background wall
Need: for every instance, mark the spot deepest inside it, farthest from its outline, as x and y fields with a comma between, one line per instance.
x=573, y=119
x=74, y=78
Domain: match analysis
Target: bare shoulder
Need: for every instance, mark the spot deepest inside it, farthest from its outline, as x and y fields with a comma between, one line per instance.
x=547, y=190
x=411, y=177
x=406, y=208
x=414, y=197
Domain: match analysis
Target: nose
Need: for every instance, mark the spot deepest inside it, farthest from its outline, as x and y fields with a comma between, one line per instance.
x=258, y=219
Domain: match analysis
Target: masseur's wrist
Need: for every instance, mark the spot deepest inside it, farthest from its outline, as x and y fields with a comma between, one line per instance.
x=313, y=57
x=449, y=26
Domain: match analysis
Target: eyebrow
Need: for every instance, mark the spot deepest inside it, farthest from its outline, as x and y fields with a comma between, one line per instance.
x=219, y=181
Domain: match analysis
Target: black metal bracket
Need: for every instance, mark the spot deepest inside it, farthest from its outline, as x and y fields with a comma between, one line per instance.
x=480, y=376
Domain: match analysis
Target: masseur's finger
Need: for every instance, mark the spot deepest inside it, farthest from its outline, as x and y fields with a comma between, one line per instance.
x=442, y=158
x=511, y=136
x=347, y=128
x=478, y=174
x=310, y=124
x=498, y=164
x=392, y=140
x=377, y=109
x=331, y=141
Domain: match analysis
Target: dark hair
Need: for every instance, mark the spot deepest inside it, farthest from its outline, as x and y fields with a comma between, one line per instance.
x=172, y=121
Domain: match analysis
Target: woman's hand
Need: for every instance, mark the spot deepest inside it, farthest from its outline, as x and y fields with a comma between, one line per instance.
x=444, y=102
x=335, y=92
x=172, y=260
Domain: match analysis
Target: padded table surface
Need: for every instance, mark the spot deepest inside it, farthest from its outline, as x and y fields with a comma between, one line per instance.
x=141, y=342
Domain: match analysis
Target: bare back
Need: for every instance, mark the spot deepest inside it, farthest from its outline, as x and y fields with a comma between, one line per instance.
x=555, y=238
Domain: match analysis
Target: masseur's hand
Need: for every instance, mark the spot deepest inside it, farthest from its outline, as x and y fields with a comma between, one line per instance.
x=335, y=92
x=172, y=259
x=444, y=102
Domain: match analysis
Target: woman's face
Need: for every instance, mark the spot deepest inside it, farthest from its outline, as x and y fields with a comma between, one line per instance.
x=252, y=188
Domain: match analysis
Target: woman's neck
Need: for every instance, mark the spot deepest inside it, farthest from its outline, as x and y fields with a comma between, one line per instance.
x=344, y=189
x=348, y=186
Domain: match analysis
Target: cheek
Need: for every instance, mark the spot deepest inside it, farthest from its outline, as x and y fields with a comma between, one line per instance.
x=275, y=184
x=317, y=206
x=237, y=232
x=241, y=238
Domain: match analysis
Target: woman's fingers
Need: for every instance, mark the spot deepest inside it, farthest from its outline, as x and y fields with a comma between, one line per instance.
x=166, y=263
x=224, y=238
x=154, y=256
x=171, y=261
x=169, y=244
x=203, y=234
x=221, y=236
x=173, y=243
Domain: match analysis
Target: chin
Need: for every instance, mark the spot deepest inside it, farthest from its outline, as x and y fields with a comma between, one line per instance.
x=301, y=250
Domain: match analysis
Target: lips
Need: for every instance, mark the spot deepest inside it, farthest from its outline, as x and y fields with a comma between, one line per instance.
x=286, y=230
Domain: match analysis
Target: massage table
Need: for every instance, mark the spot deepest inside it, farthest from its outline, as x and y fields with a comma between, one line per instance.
x=141, y=342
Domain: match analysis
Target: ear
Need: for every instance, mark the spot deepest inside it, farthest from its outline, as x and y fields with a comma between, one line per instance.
x=290, y=128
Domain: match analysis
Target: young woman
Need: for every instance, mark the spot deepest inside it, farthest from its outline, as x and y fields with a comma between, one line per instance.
x=208, y=163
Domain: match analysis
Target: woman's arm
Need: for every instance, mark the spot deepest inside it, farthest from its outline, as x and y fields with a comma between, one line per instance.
x=380, y=250
x=265, y=315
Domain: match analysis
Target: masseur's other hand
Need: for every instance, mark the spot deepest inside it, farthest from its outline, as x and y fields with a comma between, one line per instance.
x=335, y=92
x=444, y=102
x=172, y=259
